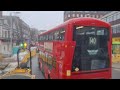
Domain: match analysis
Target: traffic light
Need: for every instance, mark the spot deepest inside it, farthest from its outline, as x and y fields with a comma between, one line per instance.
x=23, y=45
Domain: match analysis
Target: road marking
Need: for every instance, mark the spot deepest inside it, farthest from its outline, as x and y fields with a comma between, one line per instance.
x=117, y=69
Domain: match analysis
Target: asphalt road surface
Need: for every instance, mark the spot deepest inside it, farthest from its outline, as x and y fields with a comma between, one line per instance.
x=35, y=68
x=115, y=73
x=39, y=75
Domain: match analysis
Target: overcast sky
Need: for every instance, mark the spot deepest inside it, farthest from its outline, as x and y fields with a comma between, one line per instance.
x=42, y=20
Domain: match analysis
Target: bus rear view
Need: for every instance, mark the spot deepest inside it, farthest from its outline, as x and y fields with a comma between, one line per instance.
x=92, y=52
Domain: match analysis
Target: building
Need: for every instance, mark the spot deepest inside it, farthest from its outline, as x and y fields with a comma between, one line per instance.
x=114, y=19
x=25, y=32
x=34, y=34
x=21, y=30
x=5, y=37
x=76, y=14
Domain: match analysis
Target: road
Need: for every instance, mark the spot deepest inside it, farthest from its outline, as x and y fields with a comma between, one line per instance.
x=39, y=75
x=115, y=73
x=35, y=69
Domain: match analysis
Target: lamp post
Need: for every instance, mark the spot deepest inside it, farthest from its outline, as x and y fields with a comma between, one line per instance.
x=11, y=28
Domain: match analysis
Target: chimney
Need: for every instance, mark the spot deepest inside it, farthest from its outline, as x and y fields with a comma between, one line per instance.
x=0, y=14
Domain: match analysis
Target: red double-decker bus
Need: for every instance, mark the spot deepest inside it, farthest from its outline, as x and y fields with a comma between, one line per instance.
x=80, y=48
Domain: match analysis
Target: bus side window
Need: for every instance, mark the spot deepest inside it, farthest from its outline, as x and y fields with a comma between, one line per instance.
x=62, y=34
x=47, y=38
x=51, y=36
x=40, y=38
x=56, y=35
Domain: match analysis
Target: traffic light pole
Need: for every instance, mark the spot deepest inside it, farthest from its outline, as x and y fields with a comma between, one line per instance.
x=18, y=57
x=30, y=59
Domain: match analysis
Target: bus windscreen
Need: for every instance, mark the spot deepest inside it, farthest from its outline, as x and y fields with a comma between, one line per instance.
x=91, y=51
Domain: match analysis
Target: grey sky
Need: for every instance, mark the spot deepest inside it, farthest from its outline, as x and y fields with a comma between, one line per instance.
x=42, y=20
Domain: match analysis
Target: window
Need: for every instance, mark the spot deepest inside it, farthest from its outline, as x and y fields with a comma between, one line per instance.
x=0, y=22
x=73, y=15
x=68, y=15
x=56, y=35
x=97, y=16
x=77, y=15
x=81, y=15
x=114, y=17
x=93, y=16
x=41, y=38
x=62, y=34
x=87, y=15
x=65, y=17
x=110, y=18
x=5, y=34
x=114, y=30
x=117, y=16
x=118, y=29
x=7, y=47
x=107, y=19
x=5, y=22
x=101, y=16
x=59, y=35
x=46, y=37
x=51, y=36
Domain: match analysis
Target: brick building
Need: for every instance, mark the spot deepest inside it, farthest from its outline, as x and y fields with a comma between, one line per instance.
x=76, y=14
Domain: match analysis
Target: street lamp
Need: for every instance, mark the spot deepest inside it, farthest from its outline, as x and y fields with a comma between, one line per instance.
x=11, y=28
